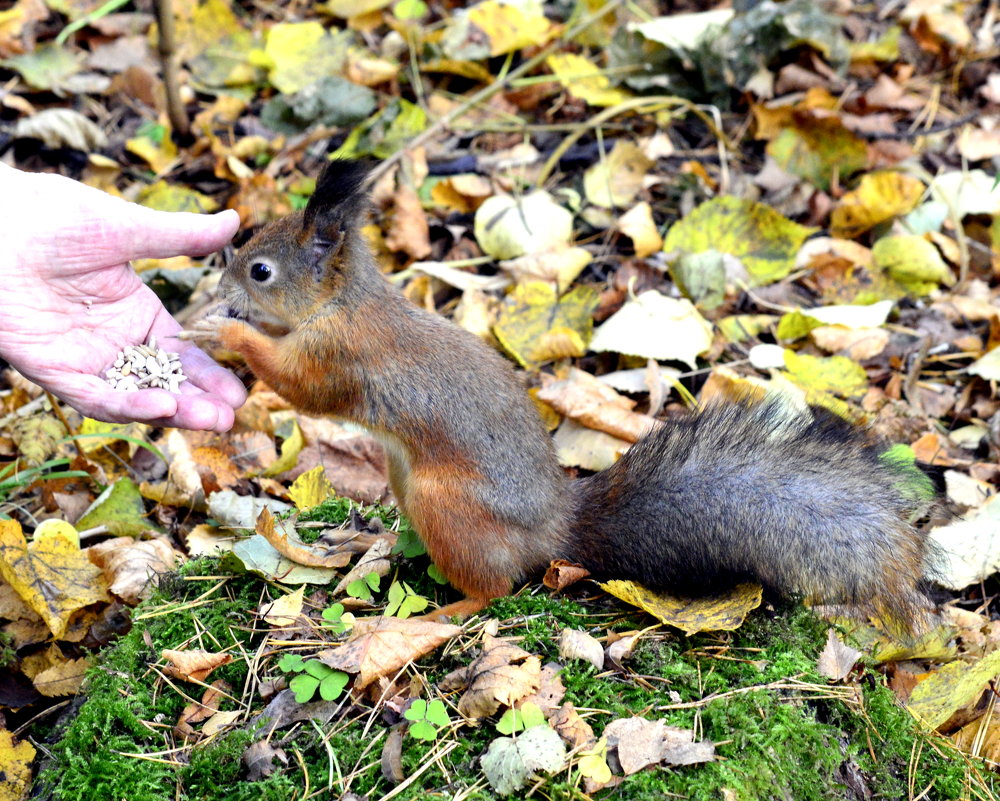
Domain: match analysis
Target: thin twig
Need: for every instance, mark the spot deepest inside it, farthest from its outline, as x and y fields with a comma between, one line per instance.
x=168, y=61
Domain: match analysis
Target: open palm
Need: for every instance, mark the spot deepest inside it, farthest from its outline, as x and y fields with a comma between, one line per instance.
x=69, y=301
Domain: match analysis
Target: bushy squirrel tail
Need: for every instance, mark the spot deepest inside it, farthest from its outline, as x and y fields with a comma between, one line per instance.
x=798, y=500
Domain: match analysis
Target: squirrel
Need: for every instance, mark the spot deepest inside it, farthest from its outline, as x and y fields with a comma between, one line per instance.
x=797, y=500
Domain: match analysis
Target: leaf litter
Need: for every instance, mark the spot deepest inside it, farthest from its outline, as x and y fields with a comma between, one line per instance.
x=850, y=227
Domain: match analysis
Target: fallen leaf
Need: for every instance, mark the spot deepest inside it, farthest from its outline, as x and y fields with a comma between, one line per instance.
x=285, y=540
x=15, y=767
x=298, y=53
x=967, y=550
x=408, y=229
x=615, y=180
x=536, y=325
x=574, y=730
x=502, y=675
x=561, y=574
x=837, y=660
x=507, y=227
x=950, y=688
x=62, y=127
x=880, y=196
x=310, y=489
x=764, y=240
x=381, y=646
x=575, y=644
x=913, y=262
x=638, y=225
x=51, y=574
x=284, y=611
x=639, y=743
x=724, y=612
x=510, y=763
x=582, y=79
x=133, y=567
x=193, y=665
x=579, y=446
x=654, y=326
x=594, y=404
x=64, y=678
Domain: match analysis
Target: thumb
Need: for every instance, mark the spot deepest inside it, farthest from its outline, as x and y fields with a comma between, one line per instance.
x=162, y=234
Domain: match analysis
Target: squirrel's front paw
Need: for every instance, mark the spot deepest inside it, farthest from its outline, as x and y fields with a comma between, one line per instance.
x=206, y=333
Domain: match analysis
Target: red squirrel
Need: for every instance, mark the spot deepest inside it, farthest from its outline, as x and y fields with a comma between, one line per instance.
x=796, y=500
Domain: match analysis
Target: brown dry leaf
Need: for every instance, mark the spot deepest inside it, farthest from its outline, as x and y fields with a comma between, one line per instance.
x=133, y=567
x=198, y=711
x=183, y=476
x=575, y=644
x=551, y=690
x=579, y=446
x=562, y=574
x=981, y=738
x=375, y=560
x=571, y=727
x=194, y=665
x=855, y=343
x=283, y=537
x=63, y=678
x=641, y=743
x=216, y=469
x=408, y=230
x=51, y=574
x=594, y=404
x=380, y=646
x=461, y=193
x=932, y=448
x=503, y=674
x=837, y=659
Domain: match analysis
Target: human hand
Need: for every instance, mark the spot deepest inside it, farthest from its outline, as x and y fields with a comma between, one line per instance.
x=69, y=301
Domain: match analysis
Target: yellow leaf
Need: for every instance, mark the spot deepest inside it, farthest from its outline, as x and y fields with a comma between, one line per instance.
x=584, y=80
x=290, y=448
x=54, y=528
x=536, y=325
x=310, y=489
x=594, y=762
x=160, y=156
x=15, y=767
x=510, y=27
x=912, y=262
x=615, y=180
x=764, y=240
x=879, y=197
x=63, y=678
x=345, y=9
x=837, y=374
x=163, y=196
x=638, y=225
x=951, y=688
x=52, y=576
x=724, y=612
x=285, y=610
x=300, y=53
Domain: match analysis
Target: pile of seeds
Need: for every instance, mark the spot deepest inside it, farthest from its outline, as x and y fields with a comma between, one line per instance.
x=146, y=367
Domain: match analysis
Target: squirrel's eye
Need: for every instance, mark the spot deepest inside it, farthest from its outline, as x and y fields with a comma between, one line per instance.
x=260, y=271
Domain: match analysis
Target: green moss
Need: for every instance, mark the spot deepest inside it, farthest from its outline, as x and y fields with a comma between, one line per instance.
x=780, y=731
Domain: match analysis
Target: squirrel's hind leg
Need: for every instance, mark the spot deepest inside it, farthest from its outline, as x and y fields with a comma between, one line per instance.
x=463, y=538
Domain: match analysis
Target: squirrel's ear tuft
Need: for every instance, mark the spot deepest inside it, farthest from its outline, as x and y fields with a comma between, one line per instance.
x=334, y=208
x=339, y=194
